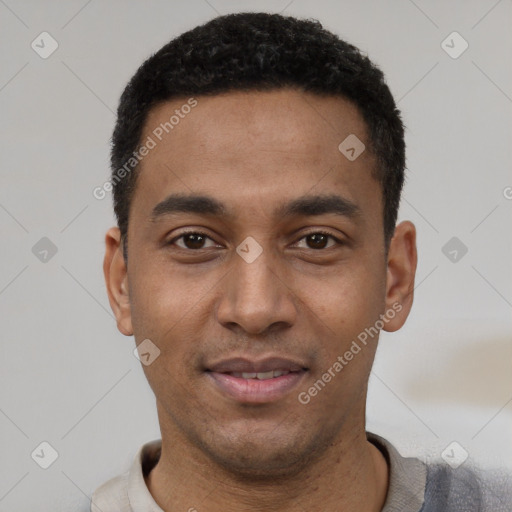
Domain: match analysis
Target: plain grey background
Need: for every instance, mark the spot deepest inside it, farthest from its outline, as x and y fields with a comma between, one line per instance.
x=70, y=379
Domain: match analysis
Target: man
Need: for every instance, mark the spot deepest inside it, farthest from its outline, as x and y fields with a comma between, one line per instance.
x=257, y=167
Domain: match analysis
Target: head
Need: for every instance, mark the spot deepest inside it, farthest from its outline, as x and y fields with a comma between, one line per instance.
x=260, y=52
x=292, y=248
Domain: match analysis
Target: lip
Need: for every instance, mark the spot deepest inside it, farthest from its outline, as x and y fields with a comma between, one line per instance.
x=241, y=364
x=256, y=391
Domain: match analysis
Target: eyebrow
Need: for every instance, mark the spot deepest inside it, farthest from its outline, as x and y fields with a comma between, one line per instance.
x=308, y=205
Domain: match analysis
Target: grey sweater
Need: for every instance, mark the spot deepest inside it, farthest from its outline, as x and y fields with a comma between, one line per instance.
x=413, y=485
x=465, y=490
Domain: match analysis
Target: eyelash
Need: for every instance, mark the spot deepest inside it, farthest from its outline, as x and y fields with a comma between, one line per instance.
x=185, y=233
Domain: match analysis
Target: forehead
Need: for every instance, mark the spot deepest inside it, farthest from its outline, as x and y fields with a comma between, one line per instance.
x=254, y=147
x=284, y=119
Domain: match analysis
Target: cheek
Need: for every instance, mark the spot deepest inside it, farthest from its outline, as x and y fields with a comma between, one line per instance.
x=163, y=299
x=169, y=309
x=345, y=301
x=343, y=308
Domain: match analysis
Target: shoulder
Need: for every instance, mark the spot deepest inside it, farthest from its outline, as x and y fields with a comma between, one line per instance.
x=127, y=491
x=467, y=489
x=112, y=495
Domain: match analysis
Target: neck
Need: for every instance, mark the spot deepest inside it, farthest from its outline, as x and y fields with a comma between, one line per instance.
x=351, y=475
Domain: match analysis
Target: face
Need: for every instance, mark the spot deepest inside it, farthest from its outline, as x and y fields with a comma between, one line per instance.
x=255, y=246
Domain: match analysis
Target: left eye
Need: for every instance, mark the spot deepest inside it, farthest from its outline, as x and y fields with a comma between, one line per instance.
x=319, y=240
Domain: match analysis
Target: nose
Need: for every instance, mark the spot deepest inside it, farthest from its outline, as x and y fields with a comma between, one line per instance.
x=256, y=297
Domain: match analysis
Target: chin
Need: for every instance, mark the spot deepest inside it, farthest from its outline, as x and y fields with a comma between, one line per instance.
x=264, y=455
x=251, y=463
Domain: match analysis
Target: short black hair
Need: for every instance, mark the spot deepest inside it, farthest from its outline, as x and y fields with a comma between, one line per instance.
x=261, y=52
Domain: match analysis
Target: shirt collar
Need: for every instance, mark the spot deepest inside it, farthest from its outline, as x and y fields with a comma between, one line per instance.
x=407, y=478
x=139, y=496
x=406, y=489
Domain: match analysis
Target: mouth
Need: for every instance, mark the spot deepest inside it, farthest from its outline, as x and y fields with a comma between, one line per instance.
x=272, y=374
x=256, y=382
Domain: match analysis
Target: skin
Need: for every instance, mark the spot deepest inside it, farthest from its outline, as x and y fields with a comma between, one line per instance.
x=253, y=151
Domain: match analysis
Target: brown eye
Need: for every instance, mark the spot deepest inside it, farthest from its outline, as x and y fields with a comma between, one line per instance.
x=193, y=241
x=320, y=240
x=317, y=240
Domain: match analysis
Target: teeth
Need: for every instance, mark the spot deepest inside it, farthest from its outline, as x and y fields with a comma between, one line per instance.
x=265, y=375
x=261, y=375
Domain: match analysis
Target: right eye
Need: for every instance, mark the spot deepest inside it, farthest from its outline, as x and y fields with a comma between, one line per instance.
x=191, y=240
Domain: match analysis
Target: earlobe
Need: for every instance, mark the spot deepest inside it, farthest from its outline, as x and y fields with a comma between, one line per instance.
x=401, y=272
x=116, y=281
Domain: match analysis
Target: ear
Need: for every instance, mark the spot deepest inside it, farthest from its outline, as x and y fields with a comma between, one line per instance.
x=401, y=271
x=116, y=280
